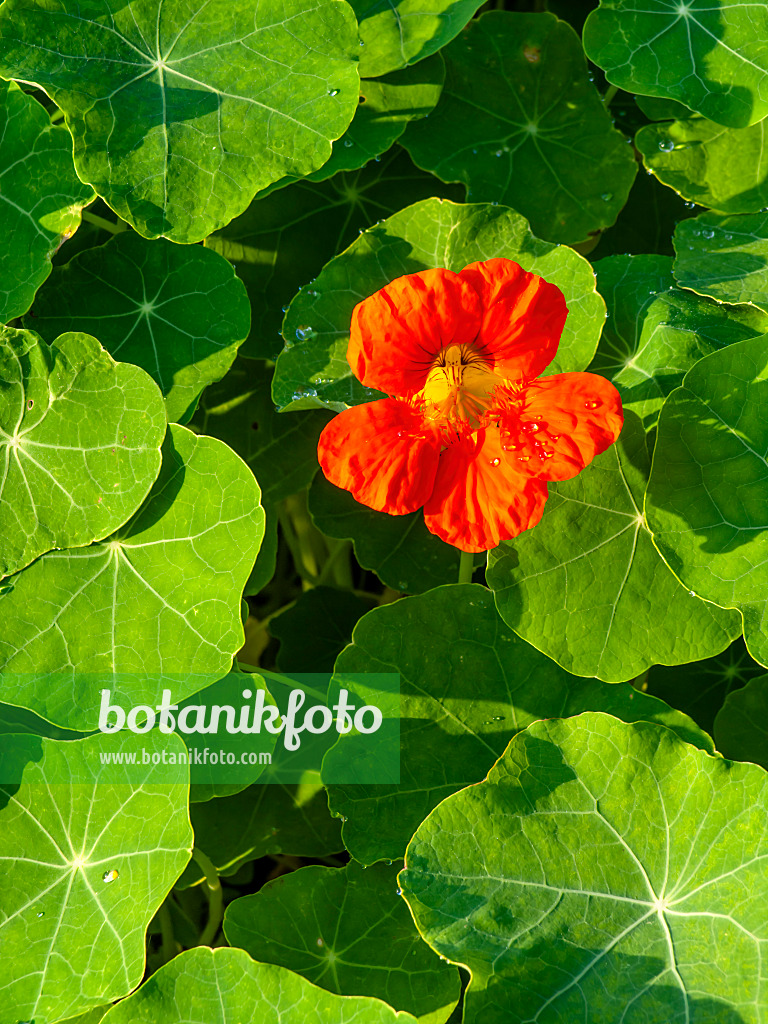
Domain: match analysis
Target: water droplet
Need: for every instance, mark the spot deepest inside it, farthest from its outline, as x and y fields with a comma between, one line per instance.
x=303, y=332
x=523, y=458
x=591, y=405
x=320, y=942
x=388, y=863
x=313, y=293
x=554, y=437
x=399, y=892
x=110, y=876
x=284, y=309
x=607, y=197
x=546, y=455
x=304, y=393
x=666, y=145
x=728, y=238
x=689, y=206
x=495, y=462
x=362, y=43
x=41, y=913
x=530, y=428
x=333, y=92
x=348, y=143
x=498, y=152
x=30, y=403
x=708, y=233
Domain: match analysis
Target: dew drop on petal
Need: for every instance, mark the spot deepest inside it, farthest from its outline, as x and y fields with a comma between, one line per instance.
x=554, y=437
x=547, y=455
x=591, y=405
x=495, y=462
x=530, y=428
x=523, y=458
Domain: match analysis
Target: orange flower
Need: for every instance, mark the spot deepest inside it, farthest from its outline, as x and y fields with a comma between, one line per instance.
x=470, y=433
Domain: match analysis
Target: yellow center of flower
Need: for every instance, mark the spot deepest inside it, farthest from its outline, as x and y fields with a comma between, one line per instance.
x=461, y=390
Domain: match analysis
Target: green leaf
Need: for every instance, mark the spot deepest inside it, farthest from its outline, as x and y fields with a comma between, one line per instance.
x=708, y=492
x=43, y=197
x=401, y=32
x=85, y=860
x=314, y=630
x=313, y=369
x=724, y=257
x=399, y=549
x=266, y=560
x=181, y=112
x=467, y=685
x=282, y=241
x=519, y=122
x=741, y=726
x=80, y=440
x=708, y=54
x=657, y=109
x=590, y=878
x=700, y=687
x=15, y=721
x=723, y=168
x=155, y=602
x=342, y=930
x=656, y=331
x=224, y=986
x=587, y=586
x=178, y=312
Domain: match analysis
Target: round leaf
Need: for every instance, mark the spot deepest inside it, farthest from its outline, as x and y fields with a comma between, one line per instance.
x=520, y=122
x=313, y=369
x=591, y=878
x=181, y=112
x=342, y=930
x=724, y=257
x=41, y=197
x=178, y=312
x=707, y=497
x=467, y=685
x=154, y=603
x=710, y=55
x=85, y=862
x=587, y=586
x=741, y=726
x=80, y=440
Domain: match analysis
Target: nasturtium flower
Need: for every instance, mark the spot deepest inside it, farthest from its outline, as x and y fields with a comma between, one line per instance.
x=471, y=432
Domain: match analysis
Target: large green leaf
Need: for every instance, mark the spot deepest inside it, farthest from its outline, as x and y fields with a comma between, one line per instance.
x=656, y=331
x=155, y=602
x=724, y=257
x=519, y=122
x=723, y=168
x=741, y=726
x=313, y=369
x=224, y=986
x=399, y=32
x=41, y=197
x=181, y=112
x=467, y=685
x=710, y=55
x=399, y=549
x=588, y=587
x=80, y=440
x=593, y=877
x=86, y=858
x=342, y=930
x=282, y=240
x=178, y=312
x=707, y=500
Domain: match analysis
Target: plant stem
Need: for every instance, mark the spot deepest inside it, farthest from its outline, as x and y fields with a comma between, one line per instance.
x=610, y=92
x=214, y=894
x=103, y=223
x=168, y=949
x=57, y=115
x=466, y=566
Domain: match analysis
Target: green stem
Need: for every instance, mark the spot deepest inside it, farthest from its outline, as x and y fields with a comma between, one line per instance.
x=294, y=546
x=466, y=566
x=215, y=897
x=57, y=115
x=337, y=567
x=103, y=223
x=168, y=949
x=610, y=92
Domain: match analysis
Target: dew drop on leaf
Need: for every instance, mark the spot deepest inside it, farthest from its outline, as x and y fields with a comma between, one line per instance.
x=110, y=876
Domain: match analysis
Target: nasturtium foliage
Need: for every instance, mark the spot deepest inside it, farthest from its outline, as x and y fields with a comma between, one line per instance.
x=80, y=439
x=226, y=987
x=741, y=725
x=313, y=370
x=347, y=931
x=588, y=588
x=180, y=113
x=725, y=169
x=314, y=631
x=707, y=499
x=41, y=197
x=444, y=644
x=589, y=873
x=656, y=331
x=520, y=123
x=87, y=856
x=710, y=55
x=178, y=312
x=154, y=603
x=725, y=257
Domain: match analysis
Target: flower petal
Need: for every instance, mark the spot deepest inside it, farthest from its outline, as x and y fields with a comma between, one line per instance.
x=523, y=317
x=398, y=332
x=562, y=423
x=381, y=454
x=480, y=497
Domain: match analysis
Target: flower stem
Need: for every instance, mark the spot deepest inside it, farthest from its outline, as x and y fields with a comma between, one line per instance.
x=466, y=566
x=102, y=222
x=610, y=92
x=215, y=897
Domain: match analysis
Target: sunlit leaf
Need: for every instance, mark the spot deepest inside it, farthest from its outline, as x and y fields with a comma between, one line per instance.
x=725, y=257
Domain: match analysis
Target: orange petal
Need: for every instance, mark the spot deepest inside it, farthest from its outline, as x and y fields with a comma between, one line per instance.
x=523, y=317
x=398, y=332
x=481, y=497
x=379, y=453
x=562, y=423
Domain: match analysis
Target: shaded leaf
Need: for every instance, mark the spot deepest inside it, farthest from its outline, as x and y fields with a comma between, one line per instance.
x=724, y=257
x=587, y=586
x=80, y=440
x=519, y=122
x=313, y=631
x=741, y=726
x=178, y=312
